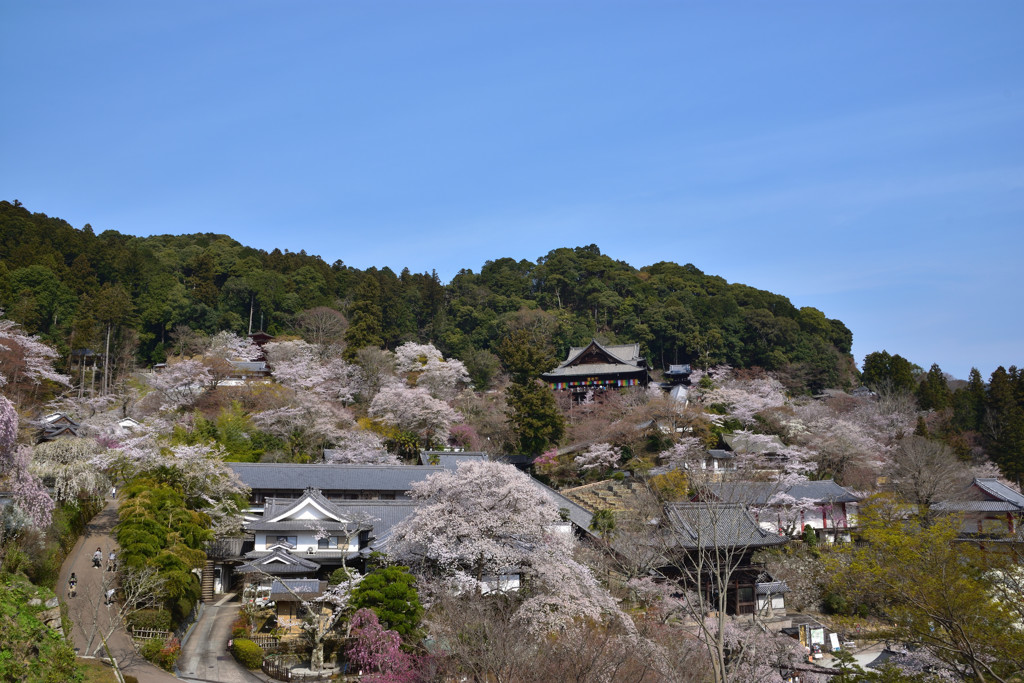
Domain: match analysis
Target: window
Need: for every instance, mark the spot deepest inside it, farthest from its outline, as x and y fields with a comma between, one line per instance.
x=327, y=543
x=288, y=541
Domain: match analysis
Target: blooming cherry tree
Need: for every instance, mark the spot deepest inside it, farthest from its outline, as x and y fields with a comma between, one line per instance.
x=599, y=456
x=488, y=520
x=414, y=410
x=180, y=384
x=359, y=447
x=300, y=365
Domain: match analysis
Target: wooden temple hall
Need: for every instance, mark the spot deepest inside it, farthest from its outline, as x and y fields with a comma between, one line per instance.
x=599, y=367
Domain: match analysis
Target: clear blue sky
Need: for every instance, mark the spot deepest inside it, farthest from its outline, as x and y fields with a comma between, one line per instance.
x=864, y=158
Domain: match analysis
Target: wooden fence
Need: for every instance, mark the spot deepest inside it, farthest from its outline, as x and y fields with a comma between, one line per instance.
x=150, y=634
x=283, y=673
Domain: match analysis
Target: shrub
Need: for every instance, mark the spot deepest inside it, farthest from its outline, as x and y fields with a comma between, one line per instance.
x=163, y=653
x=248, y=653
x=156, y=619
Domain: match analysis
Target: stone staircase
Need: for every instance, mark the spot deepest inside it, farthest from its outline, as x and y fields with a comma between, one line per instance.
x=617, y=496
x=207, y=595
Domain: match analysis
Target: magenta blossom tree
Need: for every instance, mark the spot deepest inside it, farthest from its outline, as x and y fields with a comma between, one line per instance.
x=378, y=652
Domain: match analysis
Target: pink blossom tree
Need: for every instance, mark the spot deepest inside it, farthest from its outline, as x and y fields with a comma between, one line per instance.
x=25, y=361
x=379, y=651
x=29, y=493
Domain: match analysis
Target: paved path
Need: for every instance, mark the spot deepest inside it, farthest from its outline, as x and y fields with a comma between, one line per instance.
x=90, y=617
x=205, y=657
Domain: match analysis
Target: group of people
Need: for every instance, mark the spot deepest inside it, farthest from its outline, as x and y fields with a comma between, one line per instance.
x=97, y=563
x=97, y=560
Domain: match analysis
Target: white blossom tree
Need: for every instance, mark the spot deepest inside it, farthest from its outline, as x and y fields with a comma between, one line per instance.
x=360, y=447
x=414, y=410
x=68, y=465
x=486, y=521
x=302, y=366
x=427, y=368
x=601, y=456
x=180, y=383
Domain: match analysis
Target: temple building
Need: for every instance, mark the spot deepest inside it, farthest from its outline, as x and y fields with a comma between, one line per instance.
x=598, y=367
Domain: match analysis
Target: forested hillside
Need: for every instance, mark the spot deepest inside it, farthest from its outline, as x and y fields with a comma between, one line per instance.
x=77, y=289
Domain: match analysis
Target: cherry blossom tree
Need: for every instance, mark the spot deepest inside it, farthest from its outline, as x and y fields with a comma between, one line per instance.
x=599, y=456
x=427, y=368
x=745, y=398
x=230, y=346
x=301, y=366
x=180, y=383
x=487, y=520
x=25, y=361
x=379, y=651
x=67, y=464
x=30, y=495
x=308, y=424
x=414, y=410
x=359, y=447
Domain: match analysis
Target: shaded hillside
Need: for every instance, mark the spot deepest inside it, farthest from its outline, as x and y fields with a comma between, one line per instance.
x=74, y=287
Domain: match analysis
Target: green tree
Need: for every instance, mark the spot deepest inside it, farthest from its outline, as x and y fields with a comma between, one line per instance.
x=933, y=392
x=391, y=593
x=939, y=594
x=884, y=372
x=535, y=418
x=366, y=322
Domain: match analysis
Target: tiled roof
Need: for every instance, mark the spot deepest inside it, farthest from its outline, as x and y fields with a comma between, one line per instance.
x=303, y=587
x=451, y=460
x=759, y=493
x=578, y=515
x=276, y=476
x=998, y=489
x=277, y=563
x=594, y=369
x=716, y=525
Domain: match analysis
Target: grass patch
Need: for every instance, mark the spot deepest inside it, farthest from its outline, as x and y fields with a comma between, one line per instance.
x=96, y=671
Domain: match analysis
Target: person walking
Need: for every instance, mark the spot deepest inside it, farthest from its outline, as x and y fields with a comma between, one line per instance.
x=112, y=562
x=97, y=558
x=72, y=585
x=110, y=597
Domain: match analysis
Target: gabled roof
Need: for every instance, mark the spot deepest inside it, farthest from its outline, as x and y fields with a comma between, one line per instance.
x=601, y=359
x=699, y=526
x=290, y=476
x=311, y=511
x=311, y=506
x=277, y=563
x=985, y=494
x=760, y=493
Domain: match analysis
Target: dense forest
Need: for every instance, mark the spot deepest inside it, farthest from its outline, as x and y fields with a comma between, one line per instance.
x=75, y=288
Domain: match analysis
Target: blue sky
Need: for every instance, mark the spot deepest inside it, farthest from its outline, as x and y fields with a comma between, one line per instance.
x=864, y=158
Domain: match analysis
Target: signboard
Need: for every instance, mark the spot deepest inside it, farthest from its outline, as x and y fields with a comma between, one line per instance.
x=817, y=636
x=833, y=640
